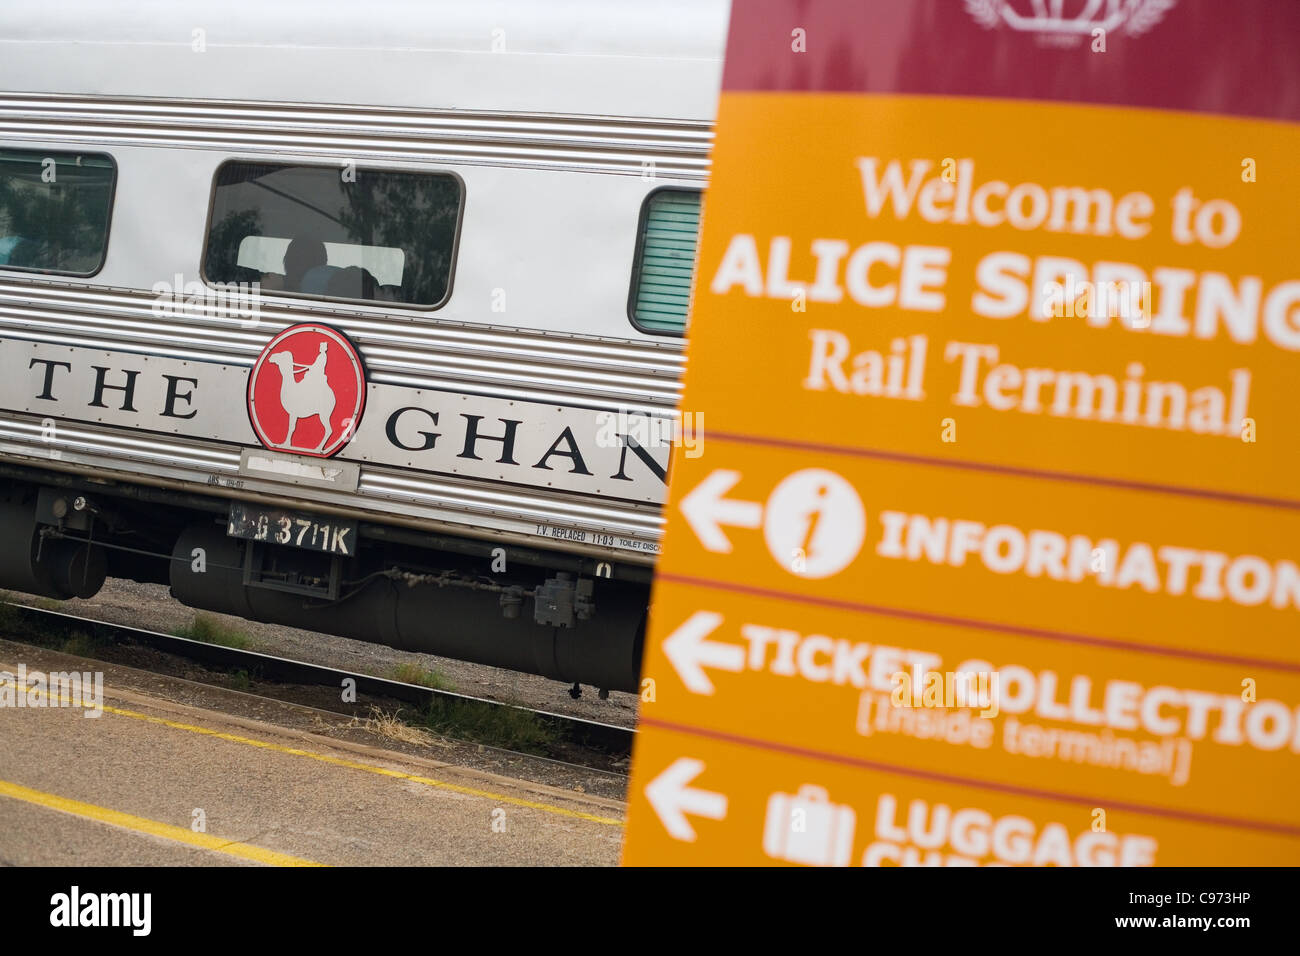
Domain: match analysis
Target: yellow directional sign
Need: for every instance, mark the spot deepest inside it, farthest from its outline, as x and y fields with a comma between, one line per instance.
x=993, y=553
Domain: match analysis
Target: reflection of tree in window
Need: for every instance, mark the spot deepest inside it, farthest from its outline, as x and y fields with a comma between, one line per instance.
x=223, y=246
x=414, y=213
x=388, y=235
x=57, y=226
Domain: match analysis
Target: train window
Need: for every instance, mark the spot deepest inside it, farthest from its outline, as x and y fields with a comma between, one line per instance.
x=665, y=261
x=335, y=232
x=54, y=211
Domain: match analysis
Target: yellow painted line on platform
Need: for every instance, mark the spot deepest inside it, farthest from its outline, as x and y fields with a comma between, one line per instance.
x=369, y=768
x=127, y=821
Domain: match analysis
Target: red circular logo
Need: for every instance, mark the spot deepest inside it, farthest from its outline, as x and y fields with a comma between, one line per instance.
x=307, y=391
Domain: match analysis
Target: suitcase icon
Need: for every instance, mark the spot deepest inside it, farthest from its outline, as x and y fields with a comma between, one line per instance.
x=807, y=828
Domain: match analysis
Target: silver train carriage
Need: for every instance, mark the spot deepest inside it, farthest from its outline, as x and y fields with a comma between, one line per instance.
x=363, y=319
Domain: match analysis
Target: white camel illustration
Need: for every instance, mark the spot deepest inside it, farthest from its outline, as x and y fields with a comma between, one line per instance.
x=311, y=395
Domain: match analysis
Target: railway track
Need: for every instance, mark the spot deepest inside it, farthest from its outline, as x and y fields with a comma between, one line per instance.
x=609, y=741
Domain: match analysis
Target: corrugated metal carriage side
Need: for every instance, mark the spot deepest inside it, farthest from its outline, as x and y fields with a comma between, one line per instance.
x=336, y=355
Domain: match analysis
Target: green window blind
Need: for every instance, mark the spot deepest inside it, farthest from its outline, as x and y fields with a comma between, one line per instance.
x=669, y=237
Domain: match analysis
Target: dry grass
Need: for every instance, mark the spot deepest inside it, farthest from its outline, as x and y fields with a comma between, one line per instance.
x=392, y=727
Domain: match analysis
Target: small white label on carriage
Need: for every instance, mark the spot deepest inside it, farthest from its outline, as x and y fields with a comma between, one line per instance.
x=326, y=473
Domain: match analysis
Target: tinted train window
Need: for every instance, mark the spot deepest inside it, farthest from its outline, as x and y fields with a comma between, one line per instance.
x=665, y=261
x=335, y=232
x=54, y=211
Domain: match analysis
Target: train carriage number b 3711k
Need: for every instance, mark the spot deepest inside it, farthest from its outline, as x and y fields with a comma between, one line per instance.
x=291, y=528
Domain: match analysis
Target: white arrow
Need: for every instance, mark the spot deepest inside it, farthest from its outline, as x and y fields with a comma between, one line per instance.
x=672, y=799
x=706, y=510
x=690, y=653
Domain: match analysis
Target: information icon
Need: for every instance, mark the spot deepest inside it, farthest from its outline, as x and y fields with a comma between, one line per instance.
x=815, y=517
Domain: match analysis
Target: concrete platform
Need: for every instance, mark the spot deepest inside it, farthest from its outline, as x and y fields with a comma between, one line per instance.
x=123, y=788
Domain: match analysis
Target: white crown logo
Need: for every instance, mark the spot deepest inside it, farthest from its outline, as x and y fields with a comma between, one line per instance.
x=1057, y=25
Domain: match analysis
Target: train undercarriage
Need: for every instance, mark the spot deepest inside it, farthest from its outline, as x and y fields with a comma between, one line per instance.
x=565, y=617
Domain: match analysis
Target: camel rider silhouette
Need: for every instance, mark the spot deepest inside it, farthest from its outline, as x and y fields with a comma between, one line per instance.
x=316, y=370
